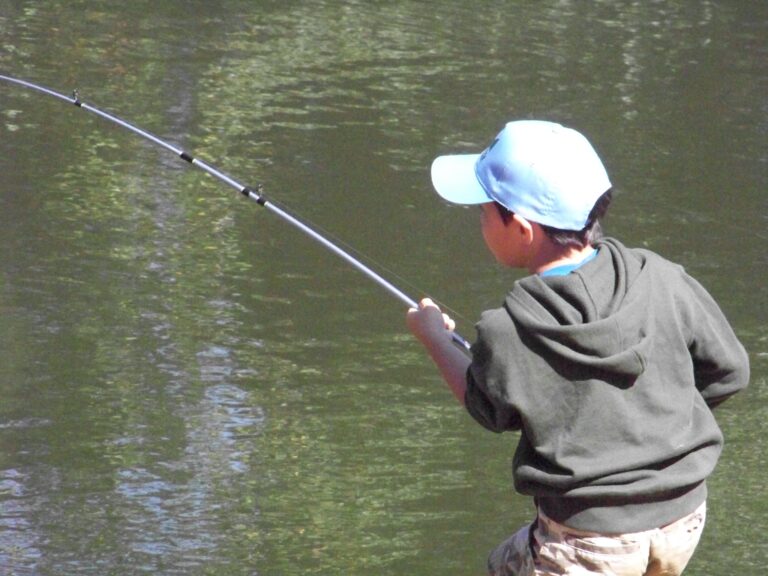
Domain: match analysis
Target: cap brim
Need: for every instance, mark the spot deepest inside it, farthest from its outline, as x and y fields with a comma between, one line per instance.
x=454, y=179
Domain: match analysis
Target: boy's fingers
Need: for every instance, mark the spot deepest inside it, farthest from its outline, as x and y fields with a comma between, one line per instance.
x=447, y=320
x=426, y=303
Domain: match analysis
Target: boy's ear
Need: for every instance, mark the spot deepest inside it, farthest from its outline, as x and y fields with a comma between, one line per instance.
x=522, y=227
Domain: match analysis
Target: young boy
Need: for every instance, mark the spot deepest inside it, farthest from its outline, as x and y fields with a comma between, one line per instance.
x=607, y=359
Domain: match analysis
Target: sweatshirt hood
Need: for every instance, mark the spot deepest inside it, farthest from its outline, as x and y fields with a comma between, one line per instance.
x=596, y=320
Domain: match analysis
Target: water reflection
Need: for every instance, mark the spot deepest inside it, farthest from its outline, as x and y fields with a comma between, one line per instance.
x=18, y=539
x=140, y=511
x=158, y=504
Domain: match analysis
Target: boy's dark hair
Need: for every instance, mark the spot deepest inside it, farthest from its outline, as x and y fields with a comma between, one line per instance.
x=591, y=233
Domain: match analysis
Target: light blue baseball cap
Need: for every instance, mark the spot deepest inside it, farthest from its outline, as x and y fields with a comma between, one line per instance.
x=543, y=171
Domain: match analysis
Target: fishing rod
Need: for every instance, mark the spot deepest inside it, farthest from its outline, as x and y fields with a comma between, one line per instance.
x=250, y=193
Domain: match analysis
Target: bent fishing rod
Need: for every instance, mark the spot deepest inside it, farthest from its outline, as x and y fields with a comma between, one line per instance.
x=250, y=193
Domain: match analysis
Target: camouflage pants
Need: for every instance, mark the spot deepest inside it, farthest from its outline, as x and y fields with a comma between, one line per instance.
x=548, y=548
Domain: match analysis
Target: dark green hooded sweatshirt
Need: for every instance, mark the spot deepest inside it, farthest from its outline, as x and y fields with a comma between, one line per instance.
x=609, y=373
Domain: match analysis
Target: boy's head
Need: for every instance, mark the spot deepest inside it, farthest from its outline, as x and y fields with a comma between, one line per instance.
x=545, y=172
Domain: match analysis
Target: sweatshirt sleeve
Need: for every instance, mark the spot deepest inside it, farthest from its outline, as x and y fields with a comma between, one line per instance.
x=485, y=396
x=720, y=362
x=491, y=414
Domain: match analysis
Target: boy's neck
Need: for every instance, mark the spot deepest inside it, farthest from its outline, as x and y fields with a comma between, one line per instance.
x=551, y=255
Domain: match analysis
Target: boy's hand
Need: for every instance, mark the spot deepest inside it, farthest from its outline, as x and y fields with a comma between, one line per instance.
x=434, y=329
x=428, y=323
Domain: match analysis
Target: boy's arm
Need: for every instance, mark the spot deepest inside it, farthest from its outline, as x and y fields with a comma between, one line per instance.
x=433, y=329
x=721, y=365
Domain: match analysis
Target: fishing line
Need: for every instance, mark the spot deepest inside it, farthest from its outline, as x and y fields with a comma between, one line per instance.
x=252, y=193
